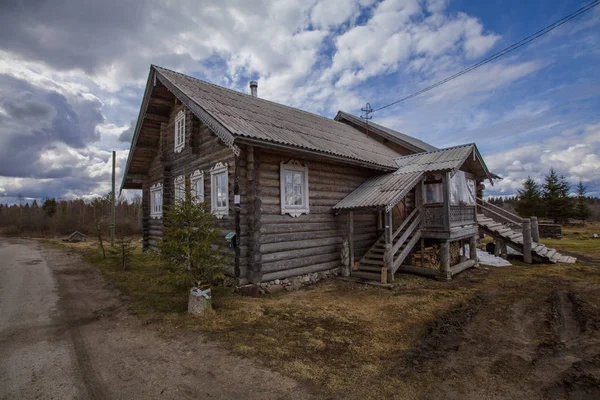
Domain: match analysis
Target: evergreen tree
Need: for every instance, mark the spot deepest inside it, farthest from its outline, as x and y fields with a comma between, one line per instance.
x=566, y=201
x=582, y=210
x=529, y=199
x=551, y=195
x=189, y=249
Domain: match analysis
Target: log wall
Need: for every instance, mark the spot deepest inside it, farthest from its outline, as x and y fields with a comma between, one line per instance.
x=202, y=151
x=308, y=243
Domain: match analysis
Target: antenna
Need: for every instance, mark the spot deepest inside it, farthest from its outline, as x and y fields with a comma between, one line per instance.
x=368, y=110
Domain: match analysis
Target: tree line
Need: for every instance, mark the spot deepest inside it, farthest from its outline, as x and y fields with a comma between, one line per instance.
x=551, y=199
x=55, y=217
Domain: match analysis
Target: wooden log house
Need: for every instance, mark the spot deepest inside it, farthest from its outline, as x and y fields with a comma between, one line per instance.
x=296, y=188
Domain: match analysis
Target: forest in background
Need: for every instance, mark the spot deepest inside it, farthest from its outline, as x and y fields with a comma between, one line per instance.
x=62, y=217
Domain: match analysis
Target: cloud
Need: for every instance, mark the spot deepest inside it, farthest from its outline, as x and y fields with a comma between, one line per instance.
x=574, y=153
x=72, y=76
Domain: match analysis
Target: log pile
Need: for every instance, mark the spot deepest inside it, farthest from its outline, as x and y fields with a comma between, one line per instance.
x=432, y=256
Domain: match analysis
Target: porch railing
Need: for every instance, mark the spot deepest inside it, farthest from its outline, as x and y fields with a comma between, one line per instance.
x=460, y=215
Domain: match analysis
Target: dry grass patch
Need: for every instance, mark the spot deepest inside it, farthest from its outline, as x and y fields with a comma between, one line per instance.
x=578, y=240
x=336, y=334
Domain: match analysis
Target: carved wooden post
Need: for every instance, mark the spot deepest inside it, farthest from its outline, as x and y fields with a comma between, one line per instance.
x=388, y=256
x=445, y=261
x=254, y=272
x=527, y=241
x=535, y=231
x=351, y=238
x=473, y=249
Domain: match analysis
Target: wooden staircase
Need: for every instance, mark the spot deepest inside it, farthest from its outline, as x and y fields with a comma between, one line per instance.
x=503, y=225
x=404, y=240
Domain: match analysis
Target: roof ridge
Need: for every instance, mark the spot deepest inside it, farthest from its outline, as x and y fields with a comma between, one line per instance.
x=249, y=95
x=435, y=151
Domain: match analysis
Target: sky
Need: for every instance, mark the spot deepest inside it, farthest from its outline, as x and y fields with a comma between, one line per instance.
x=72, y=76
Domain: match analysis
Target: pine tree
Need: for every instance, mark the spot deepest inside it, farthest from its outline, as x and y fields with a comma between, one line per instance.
x=551, y=195
x=582, y=210
x=529, y=199
x=566, y=201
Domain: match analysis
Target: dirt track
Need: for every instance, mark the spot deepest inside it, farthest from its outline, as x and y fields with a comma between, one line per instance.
x=63, y=334
x=528, y=340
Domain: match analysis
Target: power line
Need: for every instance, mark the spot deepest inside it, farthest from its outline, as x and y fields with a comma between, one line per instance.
x=507, y=50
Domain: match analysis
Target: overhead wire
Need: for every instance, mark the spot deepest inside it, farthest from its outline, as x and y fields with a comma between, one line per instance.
x=502, y=52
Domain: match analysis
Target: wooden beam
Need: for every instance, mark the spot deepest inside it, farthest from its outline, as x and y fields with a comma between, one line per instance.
x=445, y=273
x=156, y=117
x=351, y=238
x=163, y=102
x=446, y=187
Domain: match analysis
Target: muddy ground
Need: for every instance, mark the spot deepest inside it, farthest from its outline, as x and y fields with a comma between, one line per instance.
x=530, y=339
x=521, y=332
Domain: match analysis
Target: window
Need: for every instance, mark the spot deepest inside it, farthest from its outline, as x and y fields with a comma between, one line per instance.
x=179, y=188
x=156, y=197
x=294, y=188
x=434, y=189
x=197, y=186
x=179, y=131
x=219, y=190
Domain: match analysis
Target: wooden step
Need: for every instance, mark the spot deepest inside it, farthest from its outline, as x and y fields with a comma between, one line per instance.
x=369, y=268
x=550, y=253
x=369, y=276
x=364, y=261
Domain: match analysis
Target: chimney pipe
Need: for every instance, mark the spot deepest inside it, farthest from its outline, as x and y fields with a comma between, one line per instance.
x=254, y=88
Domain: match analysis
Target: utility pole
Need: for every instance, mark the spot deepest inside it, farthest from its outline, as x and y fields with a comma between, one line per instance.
x=112, y=203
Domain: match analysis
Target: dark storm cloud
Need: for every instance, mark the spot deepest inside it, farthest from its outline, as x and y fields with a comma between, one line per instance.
x=72, y=33
x=34, y=120
x=127, y=135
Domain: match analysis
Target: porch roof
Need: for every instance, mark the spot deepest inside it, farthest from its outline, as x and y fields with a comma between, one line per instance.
x=383, y=191
x=448, y=159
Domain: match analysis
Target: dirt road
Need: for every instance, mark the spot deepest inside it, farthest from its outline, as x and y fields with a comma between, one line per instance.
x=64, y=334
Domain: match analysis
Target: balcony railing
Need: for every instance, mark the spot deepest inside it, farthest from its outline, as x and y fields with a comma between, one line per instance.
x=460, y=215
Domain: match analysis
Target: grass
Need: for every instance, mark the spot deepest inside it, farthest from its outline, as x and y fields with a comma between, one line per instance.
x=578, y=239
x=340, y=336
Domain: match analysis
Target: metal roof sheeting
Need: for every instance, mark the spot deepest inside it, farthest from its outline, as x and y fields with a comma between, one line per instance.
x=252, y=117
x=410, y=142
x=440, y=160
x=380, y=191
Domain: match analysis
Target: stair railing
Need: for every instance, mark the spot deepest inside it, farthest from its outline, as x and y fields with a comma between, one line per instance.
x=410, y=227
x=500, y=215
x=529, y=227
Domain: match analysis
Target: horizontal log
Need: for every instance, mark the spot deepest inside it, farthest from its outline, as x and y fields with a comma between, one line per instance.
x=268, y=267
x=418, y=270
x=292, y=226
x=458, y=268
x=299, y=271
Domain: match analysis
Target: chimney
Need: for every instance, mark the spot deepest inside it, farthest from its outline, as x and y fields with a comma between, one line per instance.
x=254, y=88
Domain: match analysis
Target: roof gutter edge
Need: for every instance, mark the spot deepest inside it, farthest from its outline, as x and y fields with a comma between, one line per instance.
x=273, y=145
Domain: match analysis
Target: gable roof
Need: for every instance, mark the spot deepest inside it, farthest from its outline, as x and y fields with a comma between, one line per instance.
x=400, y=138
x=448, y=159
x=246, y=117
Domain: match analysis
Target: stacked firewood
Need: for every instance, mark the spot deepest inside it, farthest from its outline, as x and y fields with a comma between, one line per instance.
x=432, y=256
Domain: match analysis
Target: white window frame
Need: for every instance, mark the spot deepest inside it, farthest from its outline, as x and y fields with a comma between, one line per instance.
x=294, y=210
x=179, y=132
x=197, y=182
x=179, y=188
x=217, y=170
x=156, y=209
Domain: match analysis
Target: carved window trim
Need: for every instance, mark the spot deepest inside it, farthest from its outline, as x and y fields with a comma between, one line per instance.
x=219, y=170
x=197, y=186
x=179, y=188
x=179, y=131
x=156, y=200
x=292, y=167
